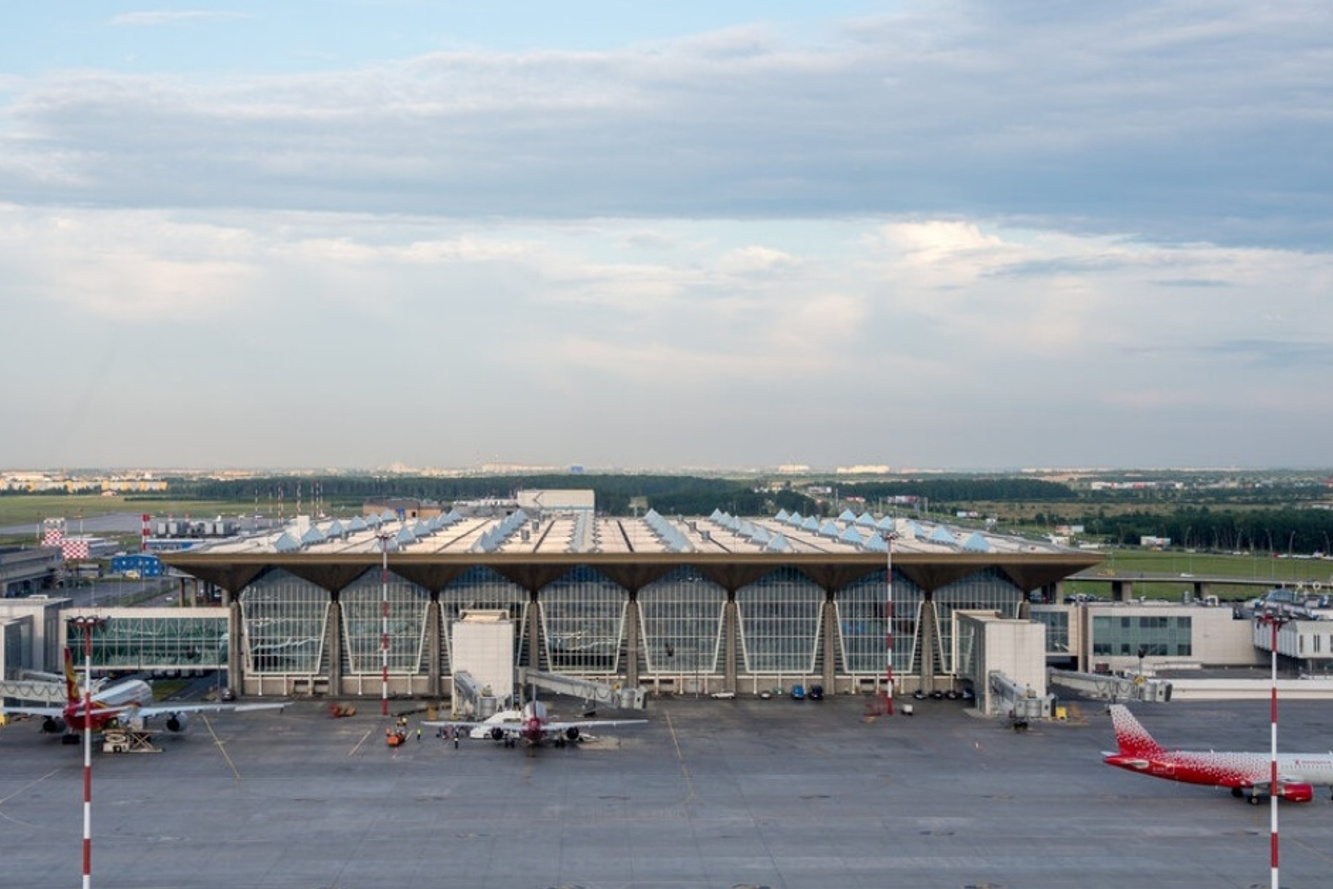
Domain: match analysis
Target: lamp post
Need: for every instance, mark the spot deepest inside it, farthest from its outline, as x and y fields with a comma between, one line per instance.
x=1274, y=621
x=87, y=624
x=384, y=624
x=888, y=625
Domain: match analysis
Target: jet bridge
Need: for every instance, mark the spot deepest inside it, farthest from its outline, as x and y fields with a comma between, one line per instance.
x=1019, y=702
x=591, y=692
x=41, y=691
x=1113, y=688
x=473, y=697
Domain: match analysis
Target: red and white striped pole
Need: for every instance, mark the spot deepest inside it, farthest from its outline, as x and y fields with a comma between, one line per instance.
x=1273, y=622
x=87, y=624
x=384, y=625
x=143, y=534
x=87, y=756
x=888, y=631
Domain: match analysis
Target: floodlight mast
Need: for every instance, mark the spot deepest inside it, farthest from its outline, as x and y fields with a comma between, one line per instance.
x=888, y=626
x=384, y=624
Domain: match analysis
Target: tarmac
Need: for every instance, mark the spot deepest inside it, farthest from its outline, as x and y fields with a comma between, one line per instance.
x=740, y=793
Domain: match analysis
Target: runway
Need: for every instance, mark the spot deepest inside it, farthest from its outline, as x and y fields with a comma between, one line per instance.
x=710, y=794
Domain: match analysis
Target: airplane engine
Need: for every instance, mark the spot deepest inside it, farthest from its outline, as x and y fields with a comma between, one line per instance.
x=497, y=734
x=177, y=722
x=1296, y=793
x=572, y=733
x=53, y=725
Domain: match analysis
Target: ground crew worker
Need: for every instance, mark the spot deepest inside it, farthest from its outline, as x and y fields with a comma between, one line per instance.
x=418, y=734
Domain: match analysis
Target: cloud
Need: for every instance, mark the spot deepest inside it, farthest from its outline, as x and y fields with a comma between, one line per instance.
x=1169, y=122
x=174, y=16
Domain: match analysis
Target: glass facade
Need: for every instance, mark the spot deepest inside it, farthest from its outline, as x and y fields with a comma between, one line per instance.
x=681, y=616
x=861, y=637
x=1057, y=629
x=285, y=621
x=967, y=650
x=175, y=642
x=583, y=622
x=779, y=623
x=988, y=590
x=362, y=604
x=1160, y=636
x=483, y=588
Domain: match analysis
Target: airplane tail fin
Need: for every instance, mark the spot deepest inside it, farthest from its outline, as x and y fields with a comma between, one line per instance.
x=71, y=679
x=1132, y=737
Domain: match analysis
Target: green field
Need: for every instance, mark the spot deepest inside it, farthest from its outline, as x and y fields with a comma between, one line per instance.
x=27, y=509
x=1257, y=566
x=31, y=509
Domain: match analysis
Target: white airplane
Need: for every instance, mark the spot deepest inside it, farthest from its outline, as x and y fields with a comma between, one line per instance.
x=1246, y=774
x=531, y=724
x=123, y=704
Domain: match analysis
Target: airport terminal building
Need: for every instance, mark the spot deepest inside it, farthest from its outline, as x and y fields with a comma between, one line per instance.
x=673, y=605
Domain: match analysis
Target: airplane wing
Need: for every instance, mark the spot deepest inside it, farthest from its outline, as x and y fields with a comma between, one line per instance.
x=33, y=711
x=581, y=724
x=166, y=709
x=478, y=730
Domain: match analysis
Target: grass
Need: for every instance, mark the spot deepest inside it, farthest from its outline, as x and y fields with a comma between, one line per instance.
x=1258, y=566
x=28, y=509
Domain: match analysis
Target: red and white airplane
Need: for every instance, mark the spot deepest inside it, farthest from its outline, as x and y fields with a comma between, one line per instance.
x=531, y=724
x=1247, y=775
x=121, y=704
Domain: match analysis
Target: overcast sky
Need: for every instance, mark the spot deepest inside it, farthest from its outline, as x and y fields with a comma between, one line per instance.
x=688, y=234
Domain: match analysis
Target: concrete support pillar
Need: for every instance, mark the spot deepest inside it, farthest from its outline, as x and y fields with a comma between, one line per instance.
x=730, y=643
x=434, y=649
x=1122, y=590
x=632, y=643
x=829, y=644
x=930, y=641
x=235, y=655
x=334, y=647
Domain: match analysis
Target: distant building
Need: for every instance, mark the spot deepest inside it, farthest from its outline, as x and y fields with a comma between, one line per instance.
x=863, y=469
x=137, y=563
x=402, y=507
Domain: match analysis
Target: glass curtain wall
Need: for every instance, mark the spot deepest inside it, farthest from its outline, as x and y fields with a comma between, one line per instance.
x=779, y=623
x=285, y=619
x=861, y=608
x=583, y=622
x=1056, y=620
x=161, y=643
x=988, y=589
x=482, y=588
x=681, y=618
x=363, y=624
x=1158, y=635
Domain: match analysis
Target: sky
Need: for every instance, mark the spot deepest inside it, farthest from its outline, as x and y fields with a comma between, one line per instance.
x=956, y=235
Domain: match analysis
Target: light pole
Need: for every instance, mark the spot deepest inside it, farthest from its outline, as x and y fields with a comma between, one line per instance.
x=1274, y=621
x=384, y=624
x=889, y=537
x=87, y=624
